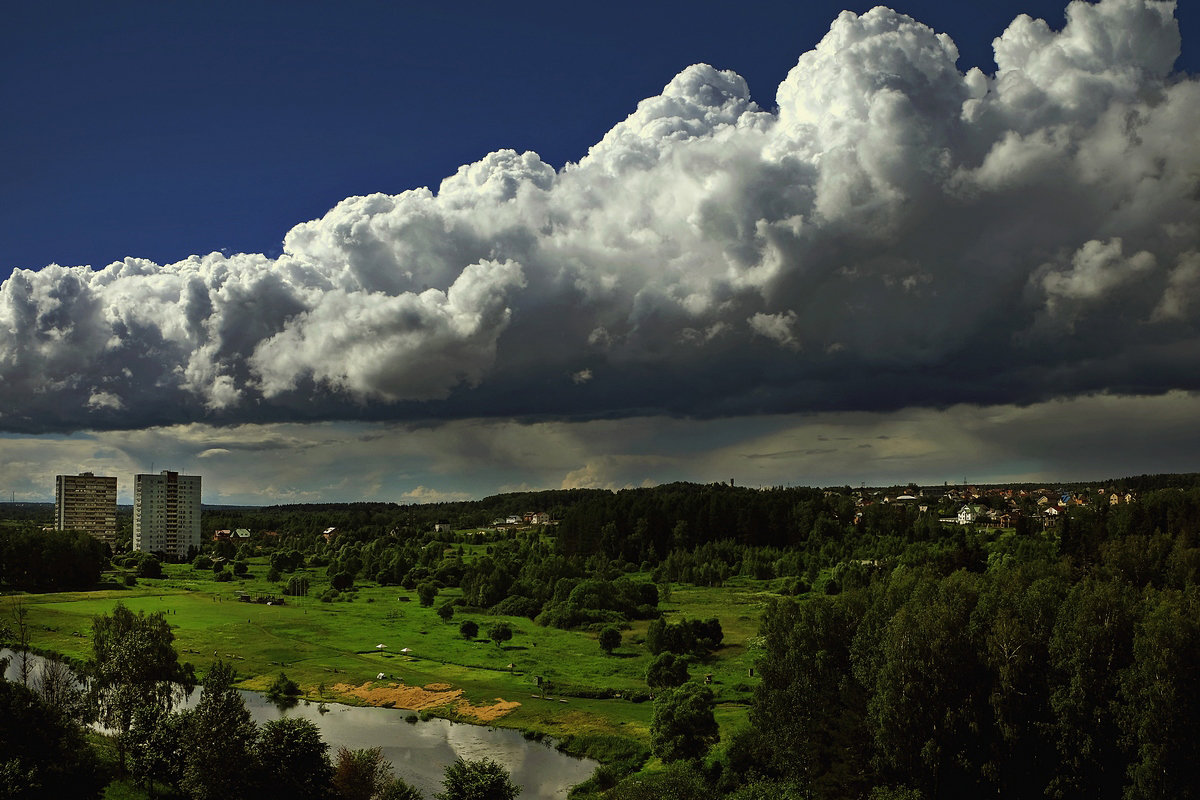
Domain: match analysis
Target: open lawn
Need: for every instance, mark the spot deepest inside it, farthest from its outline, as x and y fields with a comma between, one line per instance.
x=330, y=649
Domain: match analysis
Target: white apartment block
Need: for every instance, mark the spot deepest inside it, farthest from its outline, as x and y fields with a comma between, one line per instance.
x=86, y=502
x=166, y=513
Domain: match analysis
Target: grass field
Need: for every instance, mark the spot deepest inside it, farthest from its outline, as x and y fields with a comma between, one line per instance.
x=330, y=649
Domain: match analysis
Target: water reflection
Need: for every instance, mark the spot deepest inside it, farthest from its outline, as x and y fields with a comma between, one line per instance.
x=420, y=752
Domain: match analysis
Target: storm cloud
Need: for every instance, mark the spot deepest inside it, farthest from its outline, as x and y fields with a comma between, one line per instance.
x=894, y=233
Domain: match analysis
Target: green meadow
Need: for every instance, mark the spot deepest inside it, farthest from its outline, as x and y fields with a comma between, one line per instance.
x=331, y=648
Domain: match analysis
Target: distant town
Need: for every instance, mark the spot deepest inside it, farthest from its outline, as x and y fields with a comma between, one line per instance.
x=167, y=509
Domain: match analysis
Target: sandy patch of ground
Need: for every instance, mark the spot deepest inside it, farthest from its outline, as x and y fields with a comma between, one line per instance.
x=433, y=695
x=400, y=695
x=485, y=713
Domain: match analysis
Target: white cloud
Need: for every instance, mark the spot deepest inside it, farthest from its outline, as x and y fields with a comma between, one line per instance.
x=1096, y=269
x=911, y=219
x=424, y=494
x=777, y=327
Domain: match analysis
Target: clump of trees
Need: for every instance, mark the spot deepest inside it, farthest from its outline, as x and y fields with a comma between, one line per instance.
x=34, y=560
x=598, y=601
x=1026, y=680
x=688, y=636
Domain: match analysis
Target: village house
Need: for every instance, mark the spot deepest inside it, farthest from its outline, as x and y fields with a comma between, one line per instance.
x=968, y=514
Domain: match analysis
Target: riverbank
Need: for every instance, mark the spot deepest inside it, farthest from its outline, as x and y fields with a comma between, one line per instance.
x=419, y=747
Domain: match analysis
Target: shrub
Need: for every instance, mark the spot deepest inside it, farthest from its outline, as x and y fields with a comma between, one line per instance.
x=426, y=593
x=149, y=567
x=517, y=606
x=610, y=639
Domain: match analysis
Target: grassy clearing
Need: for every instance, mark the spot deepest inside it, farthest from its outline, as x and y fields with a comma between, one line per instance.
x=324, y=646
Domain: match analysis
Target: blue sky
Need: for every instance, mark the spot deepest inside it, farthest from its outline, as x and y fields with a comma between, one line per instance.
x=160, y=130
x=829, y=274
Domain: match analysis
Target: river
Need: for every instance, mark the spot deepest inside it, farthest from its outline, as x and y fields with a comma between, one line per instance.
x=420, y=751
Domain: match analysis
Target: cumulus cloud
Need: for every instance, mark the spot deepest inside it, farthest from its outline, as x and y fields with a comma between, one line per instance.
x=777, y=327
x=424, y=494
x=895, y=232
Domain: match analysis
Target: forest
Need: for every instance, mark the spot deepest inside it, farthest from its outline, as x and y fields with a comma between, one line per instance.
x=899, y=657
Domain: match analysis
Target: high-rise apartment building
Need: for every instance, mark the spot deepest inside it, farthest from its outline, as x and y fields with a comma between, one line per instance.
x=166, y=513
x=86, y=502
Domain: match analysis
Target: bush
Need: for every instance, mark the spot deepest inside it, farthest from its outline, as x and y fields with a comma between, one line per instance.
x=667, y=671
x=517, y=606
x=149, y=567
x=469, y=629
x=610, y=639
x=283, y=688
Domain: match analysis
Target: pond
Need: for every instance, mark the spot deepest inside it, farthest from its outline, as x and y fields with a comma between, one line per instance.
x=420, y=751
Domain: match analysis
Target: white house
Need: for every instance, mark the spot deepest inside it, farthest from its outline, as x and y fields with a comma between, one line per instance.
x=968, y=514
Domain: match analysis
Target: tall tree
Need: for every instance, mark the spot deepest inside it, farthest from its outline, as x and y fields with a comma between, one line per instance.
x=134, y=664
x=293, y=761
x=219, y=748
x=155, y=744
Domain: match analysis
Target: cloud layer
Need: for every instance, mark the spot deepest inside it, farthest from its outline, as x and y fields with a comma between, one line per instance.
x=1053, y=442
x=895, y=233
